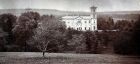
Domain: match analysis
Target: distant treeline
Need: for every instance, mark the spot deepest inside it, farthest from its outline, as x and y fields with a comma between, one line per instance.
x=31, y=32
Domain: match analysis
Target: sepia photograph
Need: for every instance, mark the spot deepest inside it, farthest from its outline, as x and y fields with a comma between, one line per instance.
x=69, y=31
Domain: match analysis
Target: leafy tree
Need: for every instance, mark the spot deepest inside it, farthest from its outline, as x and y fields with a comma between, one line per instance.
x=2, y=40
x=77, y=43
x=25, y=25
x=105, y=23
x=7, y=23
x=122, y=43
x=124, y=25
x=91, y=41
x=135, y=37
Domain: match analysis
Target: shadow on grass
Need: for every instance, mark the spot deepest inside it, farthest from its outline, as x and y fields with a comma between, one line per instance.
x=49, y=58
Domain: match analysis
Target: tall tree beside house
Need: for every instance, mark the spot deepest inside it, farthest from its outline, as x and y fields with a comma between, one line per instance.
x=105, y=23
x=25, y=25
x=49, y=35
x=123, y=25
x=111, y=23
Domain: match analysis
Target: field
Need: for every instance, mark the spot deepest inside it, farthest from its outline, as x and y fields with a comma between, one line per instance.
x=67, y=58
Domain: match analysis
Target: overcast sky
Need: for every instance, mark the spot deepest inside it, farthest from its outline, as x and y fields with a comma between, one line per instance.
x=73, y=5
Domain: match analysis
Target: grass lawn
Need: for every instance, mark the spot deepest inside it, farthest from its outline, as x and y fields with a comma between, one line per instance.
x=61, y=58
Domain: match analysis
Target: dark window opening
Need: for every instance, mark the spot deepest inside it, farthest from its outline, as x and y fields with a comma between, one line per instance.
x=85, y=28
x=89, y=28
x=85, y=21
x=77, y=28
x=80, y=28
x=89, y=21
x=94, y=27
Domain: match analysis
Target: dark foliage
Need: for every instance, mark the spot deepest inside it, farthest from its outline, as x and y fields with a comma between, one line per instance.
x=23, y=30
x=136, y=38
x=105, y=23
x=7, y=23
x=91, y=41
x=124, y=44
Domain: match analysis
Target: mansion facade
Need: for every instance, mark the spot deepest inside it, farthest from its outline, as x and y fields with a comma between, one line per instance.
x=82, y=23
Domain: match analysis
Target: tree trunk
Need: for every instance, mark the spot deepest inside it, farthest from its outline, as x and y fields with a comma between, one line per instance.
x=43, y=53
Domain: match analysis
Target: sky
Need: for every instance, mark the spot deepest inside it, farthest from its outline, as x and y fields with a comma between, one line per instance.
x=73, y=5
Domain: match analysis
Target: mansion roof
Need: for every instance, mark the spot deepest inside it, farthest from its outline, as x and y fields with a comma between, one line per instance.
x=76, y=17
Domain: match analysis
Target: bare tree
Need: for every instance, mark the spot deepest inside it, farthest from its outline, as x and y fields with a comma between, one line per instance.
x=48, y=31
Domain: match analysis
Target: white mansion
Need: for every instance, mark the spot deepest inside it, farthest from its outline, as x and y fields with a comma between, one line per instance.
x=82, y=23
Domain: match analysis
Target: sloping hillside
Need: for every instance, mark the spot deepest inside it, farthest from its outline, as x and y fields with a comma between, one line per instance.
x=114, y=14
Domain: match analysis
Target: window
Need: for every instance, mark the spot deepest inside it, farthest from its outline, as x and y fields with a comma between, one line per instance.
x=78, y=23
x=89, y=21
x=80, y=28
x=72, y=28
x=85, y=28
x=94, y=27
x=85, y=21
x=89, y=28
x=77, y=28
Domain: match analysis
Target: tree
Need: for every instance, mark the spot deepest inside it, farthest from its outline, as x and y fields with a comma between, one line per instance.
x=7, y=23
x=123, y=44
x=105, y=23
x=2, y=40
x=91, y=41
x=77, y=43
x=123, y=25
x=135, y=37
x=48, y=35
x=25, y=25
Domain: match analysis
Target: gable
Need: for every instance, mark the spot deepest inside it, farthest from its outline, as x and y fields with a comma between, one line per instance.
x=79, y=18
